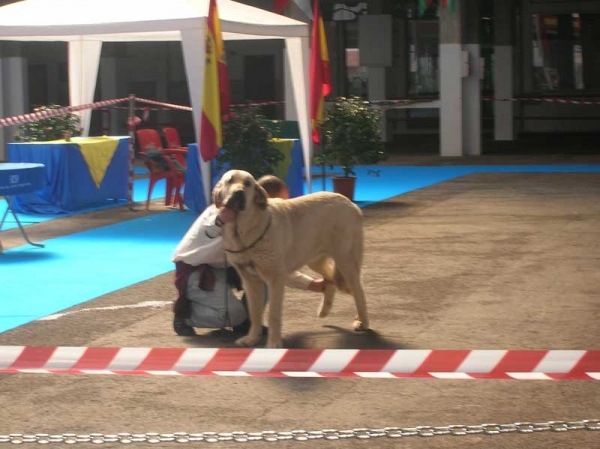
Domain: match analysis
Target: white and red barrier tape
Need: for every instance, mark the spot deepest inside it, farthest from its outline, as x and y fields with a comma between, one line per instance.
x=442, y=364
x=545, y=100
x=390, y=104
x=36, y=116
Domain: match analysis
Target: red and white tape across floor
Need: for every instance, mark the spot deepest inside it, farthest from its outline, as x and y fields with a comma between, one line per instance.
x=370, y=363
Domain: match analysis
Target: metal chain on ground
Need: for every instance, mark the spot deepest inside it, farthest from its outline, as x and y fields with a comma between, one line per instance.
x=305, y=435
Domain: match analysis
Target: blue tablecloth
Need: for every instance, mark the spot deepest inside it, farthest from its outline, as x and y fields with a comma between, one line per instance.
x=291, y=170
x=68, y=183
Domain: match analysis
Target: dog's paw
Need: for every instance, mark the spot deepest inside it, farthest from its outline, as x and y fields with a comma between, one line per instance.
x=324, y=309
x=274, y=344
x=247, y=341
x=360, y=326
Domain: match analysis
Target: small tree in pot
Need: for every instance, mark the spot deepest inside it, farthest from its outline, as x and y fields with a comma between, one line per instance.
x=247, y=143
x=351, y=135
x=52, y=128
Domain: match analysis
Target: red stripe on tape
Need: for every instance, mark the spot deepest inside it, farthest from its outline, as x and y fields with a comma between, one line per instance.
x=299, y=360
x=519, y=361
x=228, y=359
x=96, y=358
x=443, y=361
x=589, y=363
x=161, y=359
x=33, y=357
x=374, y=360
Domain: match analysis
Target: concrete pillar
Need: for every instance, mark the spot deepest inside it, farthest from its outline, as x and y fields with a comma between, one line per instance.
x=472, y=82
x=376, y=91
x=503, y=70
x=451, y=83
x=13, y=82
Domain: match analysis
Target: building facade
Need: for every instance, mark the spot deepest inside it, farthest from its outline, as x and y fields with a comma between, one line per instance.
x=496, y=68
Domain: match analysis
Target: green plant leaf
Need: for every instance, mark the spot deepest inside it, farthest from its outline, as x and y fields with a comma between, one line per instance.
x=351, y=135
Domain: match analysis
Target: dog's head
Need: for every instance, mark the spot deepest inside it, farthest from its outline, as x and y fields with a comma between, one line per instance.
x=237, y=190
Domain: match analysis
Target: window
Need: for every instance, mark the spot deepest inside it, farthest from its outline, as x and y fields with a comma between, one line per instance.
x=346, y=14
x=565, y=51
x=423, y=52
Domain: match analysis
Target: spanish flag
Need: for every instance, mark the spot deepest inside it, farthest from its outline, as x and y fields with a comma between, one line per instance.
x=216, y=97
x=320, y=77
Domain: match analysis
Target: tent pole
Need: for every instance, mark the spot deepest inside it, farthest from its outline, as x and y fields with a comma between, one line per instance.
x=131, y=123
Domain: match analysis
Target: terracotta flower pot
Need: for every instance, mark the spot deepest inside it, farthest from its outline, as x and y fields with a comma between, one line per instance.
x=344, y=185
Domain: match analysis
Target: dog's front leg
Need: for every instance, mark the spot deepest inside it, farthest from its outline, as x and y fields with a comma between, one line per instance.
x=255, y=294
x=276, y=290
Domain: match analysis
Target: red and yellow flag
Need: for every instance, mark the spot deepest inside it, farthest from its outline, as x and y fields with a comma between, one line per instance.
x=216, y=98
x=320, y=76
x=279, y=6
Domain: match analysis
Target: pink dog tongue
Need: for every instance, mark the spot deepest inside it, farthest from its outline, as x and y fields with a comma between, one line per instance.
x=227, y=215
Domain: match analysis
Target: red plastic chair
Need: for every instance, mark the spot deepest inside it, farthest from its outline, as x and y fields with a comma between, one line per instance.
x=161, y=164
x=173, y=141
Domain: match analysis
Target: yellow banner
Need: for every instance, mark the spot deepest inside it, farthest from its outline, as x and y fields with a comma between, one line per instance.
x=97, y=153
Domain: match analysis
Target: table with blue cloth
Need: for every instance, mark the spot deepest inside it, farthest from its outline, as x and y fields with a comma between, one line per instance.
x=82, y=173
x=290, y=169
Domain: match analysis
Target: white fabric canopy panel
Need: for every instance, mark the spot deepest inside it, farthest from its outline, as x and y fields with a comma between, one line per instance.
x=85, y=24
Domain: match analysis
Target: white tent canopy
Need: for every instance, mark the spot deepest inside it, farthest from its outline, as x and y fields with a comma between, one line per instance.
x=85, y=24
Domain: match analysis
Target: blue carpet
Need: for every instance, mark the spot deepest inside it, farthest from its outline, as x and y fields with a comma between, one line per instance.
x=140, y=192
x=380, y=182
x=36, y=282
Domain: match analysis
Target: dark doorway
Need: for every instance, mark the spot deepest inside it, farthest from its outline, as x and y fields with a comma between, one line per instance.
x=38, y=85
x=259, y=82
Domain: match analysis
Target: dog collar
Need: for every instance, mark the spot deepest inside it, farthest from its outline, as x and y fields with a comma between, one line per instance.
x=255, y=242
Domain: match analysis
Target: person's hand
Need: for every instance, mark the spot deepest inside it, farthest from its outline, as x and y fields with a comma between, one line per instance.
x=319, y=285
x=226, y=215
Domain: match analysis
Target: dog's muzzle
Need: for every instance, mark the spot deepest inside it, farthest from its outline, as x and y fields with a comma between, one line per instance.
x=237, y=201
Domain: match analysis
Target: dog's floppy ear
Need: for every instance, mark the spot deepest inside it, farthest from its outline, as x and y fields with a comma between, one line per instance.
x=217, y=194
x=260, y=197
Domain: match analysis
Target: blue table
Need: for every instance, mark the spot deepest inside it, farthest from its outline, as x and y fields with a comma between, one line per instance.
x=19, y=178
x=69, y=185
x=290, y=169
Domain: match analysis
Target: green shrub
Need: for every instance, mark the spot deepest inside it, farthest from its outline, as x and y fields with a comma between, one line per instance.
x=351, y=135
x=46, y=129
x=247, y=143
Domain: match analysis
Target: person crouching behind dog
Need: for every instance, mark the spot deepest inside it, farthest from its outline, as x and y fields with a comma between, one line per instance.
x=206, y=285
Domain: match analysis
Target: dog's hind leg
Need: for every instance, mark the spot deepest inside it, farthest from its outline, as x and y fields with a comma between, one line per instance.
x=325, y=267
x=349, y=268
x=255, y=292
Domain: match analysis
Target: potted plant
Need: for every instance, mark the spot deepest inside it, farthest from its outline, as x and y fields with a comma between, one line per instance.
x=52, y=128
x=350, y=135
x=247, y=143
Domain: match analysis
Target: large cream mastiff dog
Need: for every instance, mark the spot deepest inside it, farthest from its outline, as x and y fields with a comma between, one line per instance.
x=270, y=238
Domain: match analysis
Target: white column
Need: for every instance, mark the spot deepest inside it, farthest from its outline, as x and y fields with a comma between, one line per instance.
x=451, y=85
x=472, y=82
x=376, y=91
x=503, y=71
x=14, y=87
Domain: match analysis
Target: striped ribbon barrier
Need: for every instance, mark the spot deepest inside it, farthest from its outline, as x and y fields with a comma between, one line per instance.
x=441, y=364
x=545, y=100
x=37, y=116
x=390, y=104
